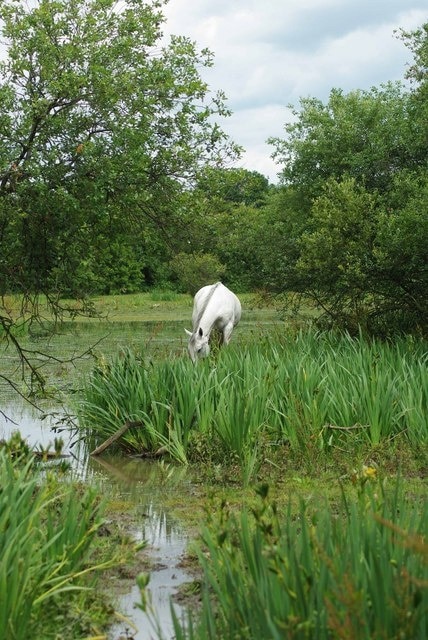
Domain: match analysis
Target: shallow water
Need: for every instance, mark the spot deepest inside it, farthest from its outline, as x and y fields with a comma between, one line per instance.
x=139, y=482
x=167, y=543
x=145, y=484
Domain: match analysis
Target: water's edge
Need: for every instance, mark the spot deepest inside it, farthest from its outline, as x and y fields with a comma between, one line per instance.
x=137, y=482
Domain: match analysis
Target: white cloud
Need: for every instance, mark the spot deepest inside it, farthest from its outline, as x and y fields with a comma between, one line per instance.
x=268, y=55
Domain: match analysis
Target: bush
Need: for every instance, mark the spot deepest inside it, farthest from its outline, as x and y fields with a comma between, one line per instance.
x=195, y=270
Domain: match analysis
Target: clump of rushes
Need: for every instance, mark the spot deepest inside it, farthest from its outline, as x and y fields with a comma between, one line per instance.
x=47, y=530
x=315, y=574
x=321, y=391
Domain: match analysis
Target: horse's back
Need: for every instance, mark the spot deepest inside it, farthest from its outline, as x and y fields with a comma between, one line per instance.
x=220, y=303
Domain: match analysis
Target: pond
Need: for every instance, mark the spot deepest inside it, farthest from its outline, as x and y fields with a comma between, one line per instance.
x=140, y=483
x=146, y=485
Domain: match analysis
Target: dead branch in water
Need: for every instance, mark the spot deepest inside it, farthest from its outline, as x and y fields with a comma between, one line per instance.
x=116, y=435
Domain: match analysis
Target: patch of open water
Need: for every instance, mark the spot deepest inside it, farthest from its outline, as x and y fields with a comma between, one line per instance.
x=140, y=483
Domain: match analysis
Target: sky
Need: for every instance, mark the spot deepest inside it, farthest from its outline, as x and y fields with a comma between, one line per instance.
x=270, y=53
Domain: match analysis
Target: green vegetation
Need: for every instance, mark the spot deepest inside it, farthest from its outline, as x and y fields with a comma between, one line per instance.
x=302, y=408
x=48, y=564
x=315, y=573
x=112, y=182
x=135, y=195
x=295, y=397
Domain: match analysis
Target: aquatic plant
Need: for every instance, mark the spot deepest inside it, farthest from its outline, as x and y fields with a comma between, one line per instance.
x=310, y=388
x=46, y=534
x=316, y=574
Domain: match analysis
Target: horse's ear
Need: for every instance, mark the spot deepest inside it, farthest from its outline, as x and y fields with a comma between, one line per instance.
x=189, y=333
x=201, y=333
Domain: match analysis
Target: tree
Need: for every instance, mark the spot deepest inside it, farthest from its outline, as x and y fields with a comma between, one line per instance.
x=195, y=270
x=233, y=186
x=100, y=125
x=223, y=217
x=366, y=135
x=417, y=73
x=350, y=218
x=401, y=254
x=336, y=253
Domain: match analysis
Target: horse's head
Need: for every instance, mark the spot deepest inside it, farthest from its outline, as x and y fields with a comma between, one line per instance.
x=198, y=344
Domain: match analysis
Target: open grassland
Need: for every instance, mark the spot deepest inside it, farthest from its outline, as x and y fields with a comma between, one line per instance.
x=155, y=305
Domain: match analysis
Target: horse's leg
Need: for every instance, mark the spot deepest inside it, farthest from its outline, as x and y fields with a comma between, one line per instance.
x=227, y=333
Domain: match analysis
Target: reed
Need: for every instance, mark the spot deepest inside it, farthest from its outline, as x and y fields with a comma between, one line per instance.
x=308, y=388
x=46, y=535
x=314, y=574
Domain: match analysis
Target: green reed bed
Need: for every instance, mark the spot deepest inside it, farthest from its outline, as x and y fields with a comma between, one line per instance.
x=47, y=531
x=314, y=574
x=292, y=390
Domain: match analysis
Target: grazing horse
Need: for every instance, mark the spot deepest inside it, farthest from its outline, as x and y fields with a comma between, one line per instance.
x=214, y=307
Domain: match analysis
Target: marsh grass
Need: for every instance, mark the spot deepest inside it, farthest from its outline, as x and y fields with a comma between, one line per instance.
x=316, y=573
x=46, y=537
x=305, y=391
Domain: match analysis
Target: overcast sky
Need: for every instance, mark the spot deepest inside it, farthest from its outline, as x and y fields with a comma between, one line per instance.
x=269, y=53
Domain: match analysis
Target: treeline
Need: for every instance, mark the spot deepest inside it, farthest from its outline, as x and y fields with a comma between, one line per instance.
x=110, y=178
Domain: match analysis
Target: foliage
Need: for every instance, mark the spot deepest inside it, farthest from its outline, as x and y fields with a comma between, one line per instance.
x=224, y=218
x=401, y=254
x=309, y=394
x=335, y=251
x=350, y=224
x=46, y=537
x=366, y=135
x=271, y=575
x=99, y=125
x=232, y=186
x=417, y=42
x=195, y=270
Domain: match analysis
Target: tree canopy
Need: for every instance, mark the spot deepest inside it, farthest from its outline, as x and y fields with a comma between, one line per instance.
x=351, y=217
x=113, y=173
x=100, y=124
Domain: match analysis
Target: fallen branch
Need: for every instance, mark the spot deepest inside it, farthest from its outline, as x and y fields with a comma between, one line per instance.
x=116, y=435
x=354, y=426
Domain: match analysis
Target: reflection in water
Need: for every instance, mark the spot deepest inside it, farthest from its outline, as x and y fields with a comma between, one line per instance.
x=141, y=482
x=167, y=543
x=35, y=426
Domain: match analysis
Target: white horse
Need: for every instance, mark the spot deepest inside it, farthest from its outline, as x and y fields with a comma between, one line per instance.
x=214, y=307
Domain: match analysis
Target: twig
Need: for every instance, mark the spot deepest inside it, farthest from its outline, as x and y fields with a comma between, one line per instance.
x=355, y=426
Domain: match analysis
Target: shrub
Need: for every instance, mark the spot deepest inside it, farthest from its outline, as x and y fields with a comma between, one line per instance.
x=195, y=270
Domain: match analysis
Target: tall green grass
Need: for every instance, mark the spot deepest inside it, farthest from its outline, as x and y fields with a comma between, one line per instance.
x=46, y=534
x=315, y=575
x=309, y=388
